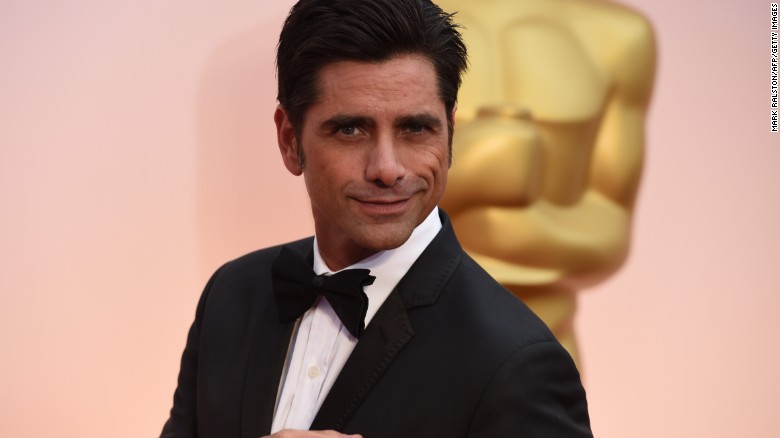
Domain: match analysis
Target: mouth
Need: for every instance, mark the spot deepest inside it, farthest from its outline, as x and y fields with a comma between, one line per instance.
x=383, y=207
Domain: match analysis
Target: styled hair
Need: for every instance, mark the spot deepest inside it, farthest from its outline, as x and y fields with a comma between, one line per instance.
x=320, y=32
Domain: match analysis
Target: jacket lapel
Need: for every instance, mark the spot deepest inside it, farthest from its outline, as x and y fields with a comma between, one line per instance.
x=387, y=333
x=390, y=329
x=266, y=362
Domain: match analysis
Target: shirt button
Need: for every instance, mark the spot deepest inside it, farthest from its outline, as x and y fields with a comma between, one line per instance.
x=314, y=372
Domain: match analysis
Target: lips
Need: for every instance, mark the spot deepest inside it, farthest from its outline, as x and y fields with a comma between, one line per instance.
x=383, y=207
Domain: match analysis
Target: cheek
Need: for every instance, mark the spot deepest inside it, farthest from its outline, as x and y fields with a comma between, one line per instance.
x=326, y=179
x=435, y=162
x=440, y=183
x=337, y=163
x=316, y=178
x=443, y=178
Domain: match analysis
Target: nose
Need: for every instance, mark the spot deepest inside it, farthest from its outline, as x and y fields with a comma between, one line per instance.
x=384, y=166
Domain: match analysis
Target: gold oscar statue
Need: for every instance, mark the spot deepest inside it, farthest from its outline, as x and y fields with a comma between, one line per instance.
x=549, y=141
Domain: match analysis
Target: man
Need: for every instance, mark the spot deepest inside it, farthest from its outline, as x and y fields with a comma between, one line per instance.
x=367, y=92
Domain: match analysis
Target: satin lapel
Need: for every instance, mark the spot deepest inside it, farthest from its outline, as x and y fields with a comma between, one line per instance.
x=384, y=338
x=266, y=362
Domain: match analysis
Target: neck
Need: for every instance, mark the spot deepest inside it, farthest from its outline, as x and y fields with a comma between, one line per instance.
x=339, y=258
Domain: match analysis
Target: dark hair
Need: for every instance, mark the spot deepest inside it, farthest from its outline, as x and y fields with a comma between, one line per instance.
x=319, y=32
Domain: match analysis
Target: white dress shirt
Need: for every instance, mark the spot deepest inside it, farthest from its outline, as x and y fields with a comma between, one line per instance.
x=321, y=344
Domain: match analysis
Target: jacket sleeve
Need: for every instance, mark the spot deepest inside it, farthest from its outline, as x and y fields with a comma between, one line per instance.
x=182, y=422
x=536, y=392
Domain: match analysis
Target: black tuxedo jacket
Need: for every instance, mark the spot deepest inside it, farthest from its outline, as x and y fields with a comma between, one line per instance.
x=450, y=353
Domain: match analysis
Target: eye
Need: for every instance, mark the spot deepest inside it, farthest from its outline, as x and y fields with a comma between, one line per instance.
x=416, y=129
x=348, y=130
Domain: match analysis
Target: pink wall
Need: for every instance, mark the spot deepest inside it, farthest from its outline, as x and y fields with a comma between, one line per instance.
x=683, y=342
x=137, y=153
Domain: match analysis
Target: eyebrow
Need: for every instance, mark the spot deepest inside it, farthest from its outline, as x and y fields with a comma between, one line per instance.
x=423, y=119
x=340, y=120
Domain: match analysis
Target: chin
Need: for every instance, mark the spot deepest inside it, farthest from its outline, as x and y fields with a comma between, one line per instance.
x=381, y=240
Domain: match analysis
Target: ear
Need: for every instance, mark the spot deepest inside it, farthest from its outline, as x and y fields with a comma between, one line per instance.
x=288, y=143
x=451, y=134
x=454, y=110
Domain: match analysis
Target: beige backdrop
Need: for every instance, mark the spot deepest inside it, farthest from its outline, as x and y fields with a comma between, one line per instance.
x=137, y=153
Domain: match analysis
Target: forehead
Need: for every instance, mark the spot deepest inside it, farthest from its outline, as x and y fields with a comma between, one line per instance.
x=402, y=84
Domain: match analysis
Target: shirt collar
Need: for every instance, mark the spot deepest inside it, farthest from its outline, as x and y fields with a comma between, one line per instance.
x=388, y=266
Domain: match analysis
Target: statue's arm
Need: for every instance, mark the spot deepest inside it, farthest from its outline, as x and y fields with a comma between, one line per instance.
x=618, y=157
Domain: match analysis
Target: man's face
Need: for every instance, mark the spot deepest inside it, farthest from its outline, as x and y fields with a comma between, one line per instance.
x=376, y=154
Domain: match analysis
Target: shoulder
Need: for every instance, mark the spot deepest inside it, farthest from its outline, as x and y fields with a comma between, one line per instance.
x=247, y=279
x=475, y=316
x=623, y=39
x=453, y=302
x=596, y=19
x=258, y=263
x=494, y=310
x=531, y=385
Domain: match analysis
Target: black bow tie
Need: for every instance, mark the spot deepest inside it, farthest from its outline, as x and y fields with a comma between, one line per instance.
x=296, y=288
